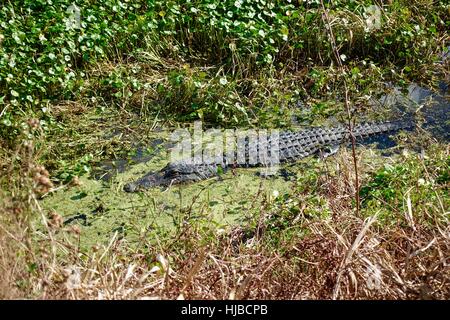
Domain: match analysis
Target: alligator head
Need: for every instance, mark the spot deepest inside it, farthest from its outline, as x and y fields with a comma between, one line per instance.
x=173, y=173
x=152, y=179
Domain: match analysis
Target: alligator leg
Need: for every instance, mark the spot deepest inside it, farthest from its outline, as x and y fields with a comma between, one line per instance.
x=328, y=151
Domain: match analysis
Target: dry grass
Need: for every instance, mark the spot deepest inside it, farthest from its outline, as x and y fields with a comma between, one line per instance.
x=346, y=258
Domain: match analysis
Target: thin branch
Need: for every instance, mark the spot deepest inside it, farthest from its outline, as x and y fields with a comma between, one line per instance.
x=338, y=59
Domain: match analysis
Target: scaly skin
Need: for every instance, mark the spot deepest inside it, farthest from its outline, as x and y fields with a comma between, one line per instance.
x=292, y=147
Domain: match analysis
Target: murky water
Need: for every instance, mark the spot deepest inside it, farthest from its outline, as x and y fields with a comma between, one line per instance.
x=101, y=207
x=434, y=108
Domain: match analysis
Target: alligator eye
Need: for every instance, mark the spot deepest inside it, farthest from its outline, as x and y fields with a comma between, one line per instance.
x=172, y=173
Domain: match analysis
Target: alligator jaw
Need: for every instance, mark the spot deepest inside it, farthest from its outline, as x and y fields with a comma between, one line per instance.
x=150, y=180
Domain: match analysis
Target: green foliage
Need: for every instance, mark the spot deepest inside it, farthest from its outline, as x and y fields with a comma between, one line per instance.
x=391, y=186
x=70, y=170
x=387, y=184
x=190, y=95
x=43, y=58
x=43, y=54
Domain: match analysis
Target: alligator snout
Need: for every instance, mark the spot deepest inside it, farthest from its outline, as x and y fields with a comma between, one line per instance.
x=150, y=180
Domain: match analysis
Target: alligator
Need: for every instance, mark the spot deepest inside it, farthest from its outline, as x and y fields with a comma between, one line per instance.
x=292, y=146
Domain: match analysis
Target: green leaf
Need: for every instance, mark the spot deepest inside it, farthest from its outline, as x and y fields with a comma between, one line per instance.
x=355, y=71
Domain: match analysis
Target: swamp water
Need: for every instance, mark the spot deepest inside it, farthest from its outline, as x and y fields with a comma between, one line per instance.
x=101, y=208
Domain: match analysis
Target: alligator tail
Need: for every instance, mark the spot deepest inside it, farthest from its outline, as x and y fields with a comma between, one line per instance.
x=368, y=129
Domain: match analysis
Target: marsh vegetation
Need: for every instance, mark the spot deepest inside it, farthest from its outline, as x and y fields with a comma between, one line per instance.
x=88, y=101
